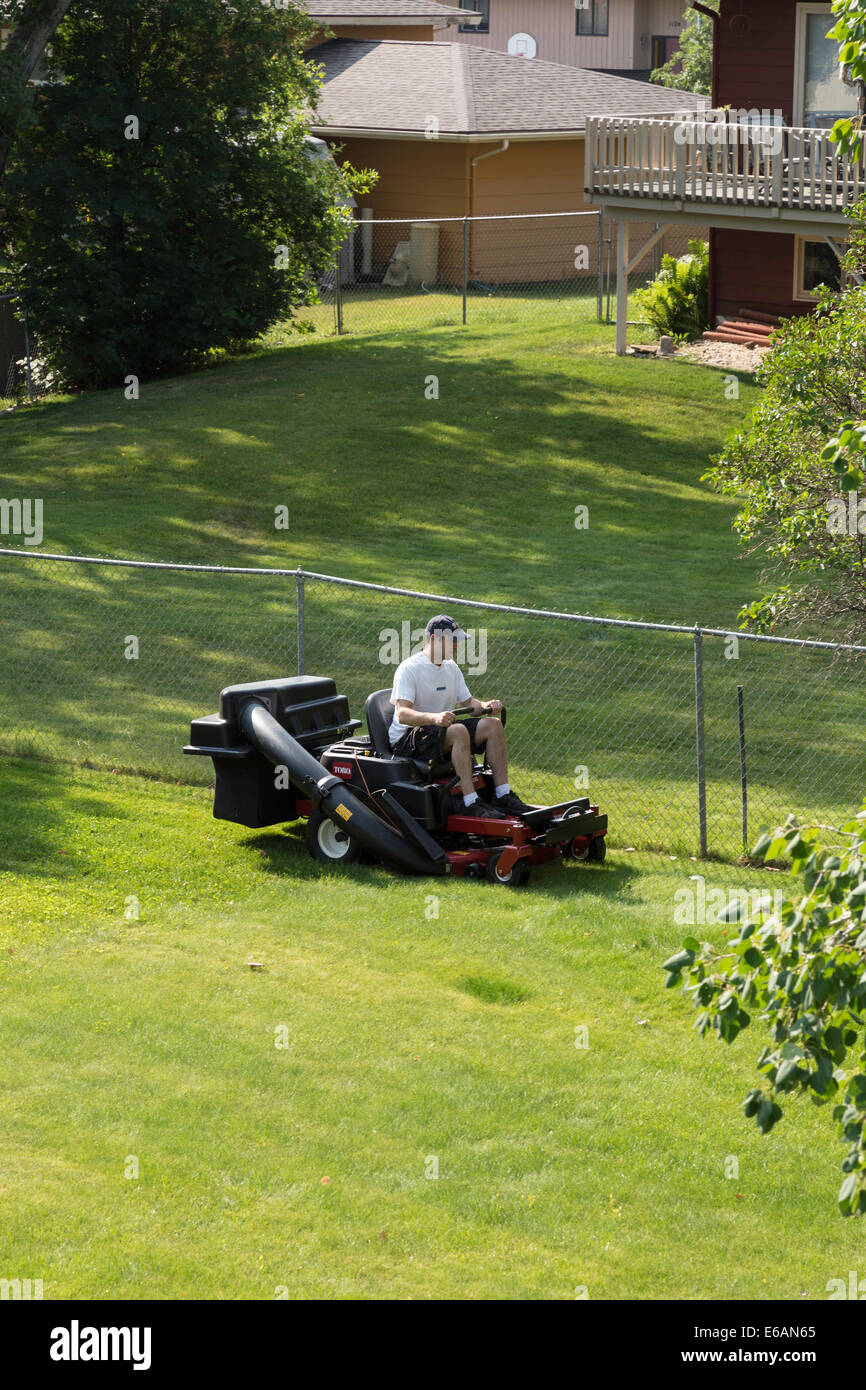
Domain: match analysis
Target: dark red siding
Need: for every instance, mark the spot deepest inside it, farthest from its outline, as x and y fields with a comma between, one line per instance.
x=755, y=270
x=756, y=55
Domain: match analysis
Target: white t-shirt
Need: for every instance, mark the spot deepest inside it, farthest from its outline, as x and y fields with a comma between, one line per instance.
x=431, y=688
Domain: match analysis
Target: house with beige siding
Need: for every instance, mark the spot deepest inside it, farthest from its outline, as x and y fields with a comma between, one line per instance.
x=618, y=36
x=461, y=132
x=417, y=21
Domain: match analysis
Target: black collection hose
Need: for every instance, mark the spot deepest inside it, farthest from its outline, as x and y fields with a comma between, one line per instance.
x=330, y=795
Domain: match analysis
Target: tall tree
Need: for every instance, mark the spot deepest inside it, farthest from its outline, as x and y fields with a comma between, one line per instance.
x=691, y=68
x=35, y=23
x=798, y=495
x=162, y=202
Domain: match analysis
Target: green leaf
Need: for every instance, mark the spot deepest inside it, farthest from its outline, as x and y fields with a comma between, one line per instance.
x=768, y=1114
x=679, y=962
x=846, y=1194
x=786, y=1072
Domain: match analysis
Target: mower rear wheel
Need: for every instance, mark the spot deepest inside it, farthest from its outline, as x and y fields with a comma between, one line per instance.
x=330, y=845
x=518, y=873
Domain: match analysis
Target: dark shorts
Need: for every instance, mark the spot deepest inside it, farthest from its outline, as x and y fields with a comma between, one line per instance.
x=426, y=741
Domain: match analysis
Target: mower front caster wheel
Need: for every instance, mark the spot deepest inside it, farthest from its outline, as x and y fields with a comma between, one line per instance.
x=517, y=875
x=594, y=851
x=330, y=845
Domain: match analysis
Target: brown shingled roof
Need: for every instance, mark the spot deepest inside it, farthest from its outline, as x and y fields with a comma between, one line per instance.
x=391, y=85
x=332, y=10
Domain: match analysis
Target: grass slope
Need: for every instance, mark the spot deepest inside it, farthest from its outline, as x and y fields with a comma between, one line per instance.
x=411, y=1037
x=473, y=493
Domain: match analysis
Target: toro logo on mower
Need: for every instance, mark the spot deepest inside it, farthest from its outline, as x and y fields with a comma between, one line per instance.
x=341, y=770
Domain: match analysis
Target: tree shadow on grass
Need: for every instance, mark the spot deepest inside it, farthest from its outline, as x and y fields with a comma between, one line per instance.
x=376, y=472
x=37, y=803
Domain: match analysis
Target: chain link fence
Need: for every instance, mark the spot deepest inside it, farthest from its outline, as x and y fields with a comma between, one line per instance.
x=415, y=274
x=538, y=268
x=674, y=241
x=18, y=380
x=690, y=739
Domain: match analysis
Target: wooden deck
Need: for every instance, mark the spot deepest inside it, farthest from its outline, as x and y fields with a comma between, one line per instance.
x=723, y=163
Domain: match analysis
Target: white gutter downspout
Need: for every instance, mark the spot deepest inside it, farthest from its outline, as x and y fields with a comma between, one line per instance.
x=476, y=159
x=500, y=149
x=489, y=155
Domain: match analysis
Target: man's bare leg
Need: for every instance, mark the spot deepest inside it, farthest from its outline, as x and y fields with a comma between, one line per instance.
x=490, y=733
x=458, y=748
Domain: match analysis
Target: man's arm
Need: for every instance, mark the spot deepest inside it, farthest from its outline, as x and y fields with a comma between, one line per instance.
x=481, y=706
x=406, y=713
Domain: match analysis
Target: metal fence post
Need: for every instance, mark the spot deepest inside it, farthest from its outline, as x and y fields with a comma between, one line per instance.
x=338, y=290
x=600, y=272
x=27, y=353
x=699, y=739
x=301, y=627
x=743, y=783
x=465, y=263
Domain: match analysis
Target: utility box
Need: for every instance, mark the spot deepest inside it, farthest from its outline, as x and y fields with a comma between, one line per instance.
x=424, y=253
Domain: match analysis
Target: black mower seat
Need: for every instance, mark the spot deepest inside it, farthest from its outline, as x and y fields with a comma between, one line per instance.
x=378, y=713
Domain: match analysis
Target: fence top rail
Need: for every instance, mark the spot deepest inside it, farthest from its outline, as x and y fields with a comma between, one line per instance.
x=298, y=574
x=480, y=217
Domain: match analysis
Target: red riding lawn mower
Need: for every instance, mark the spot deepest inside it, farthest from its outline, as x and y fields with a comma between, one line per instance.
x=286, y=749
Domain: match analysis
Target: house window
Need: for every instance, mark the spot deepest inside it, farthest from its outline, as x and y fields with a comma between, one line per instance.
x=663, y=47
x=484, y=7
x=591, y=16
x=820, y=96
x=815, y=263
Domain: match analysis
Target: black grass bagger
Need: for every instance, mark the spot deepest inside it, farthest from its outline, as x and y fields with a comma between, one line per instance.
x=287, y=749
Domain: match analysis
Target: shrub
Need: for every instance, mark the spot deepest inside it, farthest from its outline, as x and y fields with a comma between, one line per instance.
x=799, y=967
x=677, y=301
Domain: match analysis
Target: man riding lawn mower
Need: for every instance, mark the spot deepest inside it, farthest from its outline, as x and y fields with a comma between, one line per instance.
x=408, y=793
x=426, y=689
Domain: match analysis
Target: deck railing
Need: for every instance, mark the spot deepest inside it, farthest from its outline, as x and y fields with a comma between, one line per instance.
x=720, y=157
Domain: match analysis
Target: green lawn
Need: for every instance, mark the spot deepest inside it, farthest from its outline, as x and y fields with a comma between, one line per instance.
x=151, y=1039
x=471, y=494
x=413, y=1034
x=376, y=308
x=474, y=492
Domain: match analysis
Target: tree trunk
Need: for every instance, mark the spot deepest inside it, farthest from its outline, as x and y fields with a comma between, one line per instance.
x=29, y=40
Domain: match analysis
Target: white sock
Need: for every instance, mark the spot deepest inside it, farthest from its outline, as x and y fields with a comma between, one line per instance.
x=504, y=789
x=470, y=799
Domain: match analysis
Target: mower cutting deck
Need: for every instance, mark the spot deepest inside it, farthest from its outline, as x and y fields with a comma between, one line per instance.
x=287, y=749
